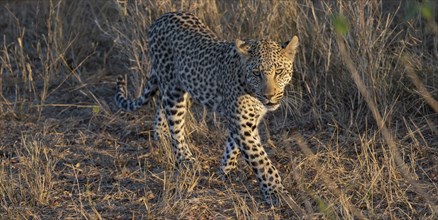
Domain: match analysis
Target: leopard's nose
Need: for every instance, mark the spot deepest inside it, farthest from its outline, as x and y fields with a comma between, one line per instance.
x=268, y=96
x=269, y=91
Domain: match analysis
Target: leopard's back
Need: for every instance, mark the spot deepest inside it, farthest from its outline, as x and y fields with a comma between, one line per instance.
x=185, y=52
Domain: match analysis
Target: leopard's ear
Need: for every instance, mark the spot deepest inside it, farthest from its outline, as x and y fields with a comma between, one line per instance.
x=290, y=49
x=242, y=47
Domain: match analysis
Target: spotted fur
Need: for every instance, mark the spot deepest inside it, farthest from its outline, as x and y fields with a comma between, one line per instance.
x=240, y=80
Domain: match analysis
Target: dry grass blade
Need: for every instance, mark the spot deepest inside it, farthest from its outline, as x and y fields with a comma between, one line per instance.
x=422, y=90
x=389, y=138
x=299, y=212
x=328, y=181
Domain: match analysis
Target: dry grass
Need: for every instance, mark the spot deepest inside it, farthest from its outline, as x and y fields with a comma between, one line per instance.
x=357, y=136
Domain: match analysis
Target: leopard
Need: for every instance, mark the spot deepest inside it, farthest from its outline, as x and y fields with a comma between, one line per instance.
x=240, y=80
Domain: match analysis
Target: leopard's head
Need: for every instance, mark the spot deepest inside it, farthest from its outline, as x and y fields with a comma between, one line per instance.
x=267, y=68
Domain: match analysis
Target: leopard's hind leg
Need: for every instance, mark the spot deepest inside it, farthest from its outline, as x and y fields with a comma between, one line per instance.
x=175, y=107
x=160, y=123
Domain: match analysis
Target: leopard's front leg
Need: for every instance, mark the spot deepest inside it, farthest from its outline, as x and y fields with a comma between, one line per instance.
x=244, y=133
x=231, y=154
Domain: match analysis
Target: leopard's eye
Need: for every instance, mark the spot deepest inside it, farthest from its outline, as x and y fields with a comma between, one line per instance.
x=257, y=72
x=279, y=71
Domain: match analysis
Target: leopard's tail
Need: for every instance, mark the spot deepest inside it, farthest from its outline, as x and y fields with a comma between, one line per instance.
x=126, y=104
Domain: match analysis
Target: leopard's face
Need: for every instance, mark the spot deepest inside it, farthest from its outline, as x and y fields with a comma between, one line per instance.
x=268, y=69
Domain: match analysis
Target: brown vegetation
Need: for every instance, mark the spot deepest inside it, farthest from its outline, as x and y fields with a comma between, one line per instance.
x=357, y=136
